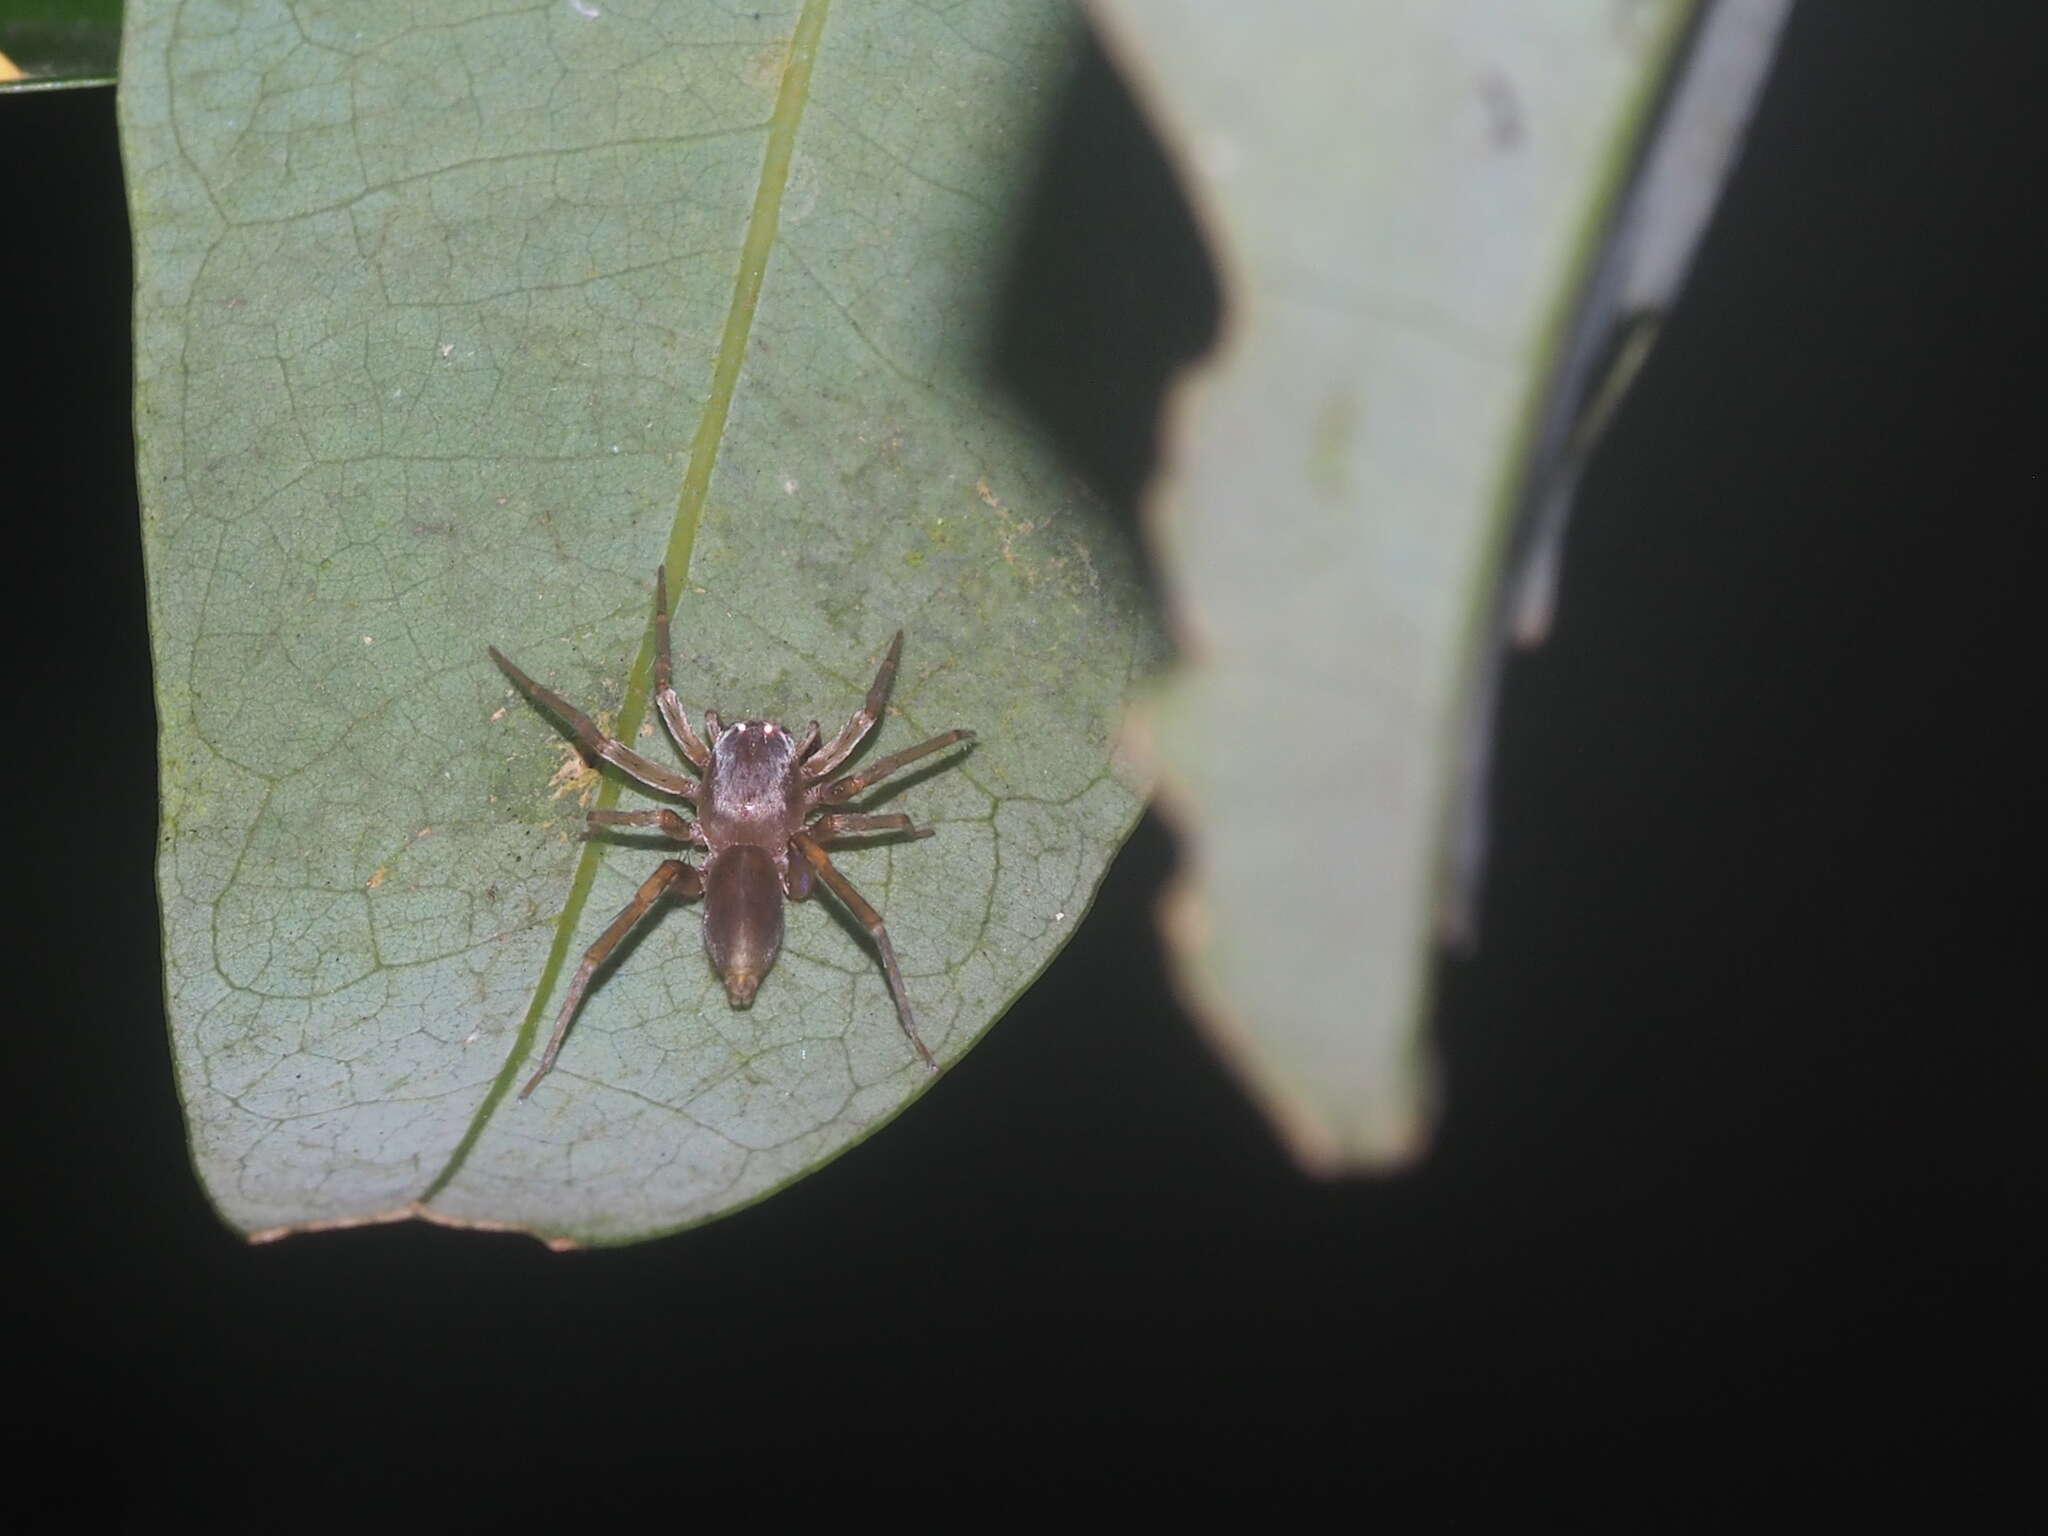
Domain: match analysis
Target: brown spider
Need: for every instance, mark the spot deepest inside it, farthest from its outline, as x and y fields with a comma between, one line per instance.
x=760, y=789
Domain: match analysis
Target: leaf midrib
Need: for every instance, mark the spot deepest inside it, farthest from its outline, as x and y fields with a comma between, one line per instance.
x=763, y=224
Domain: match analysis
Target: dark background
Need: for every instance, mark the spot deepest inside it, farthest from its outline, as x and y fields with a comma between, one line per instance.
x=1740, y=1186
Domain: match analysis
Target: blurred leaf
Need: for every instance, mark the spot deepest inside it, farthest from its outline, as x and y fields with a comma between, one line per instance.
x=48, y=44
x=447, y=333
x=1403, y=201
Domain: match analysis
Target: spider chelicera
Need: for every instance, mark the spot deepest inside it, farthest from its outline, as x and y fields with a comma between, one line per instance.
x=765, y=811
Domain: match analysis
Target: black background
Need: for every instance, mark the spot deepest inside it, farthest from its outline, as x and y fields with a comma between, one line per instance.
x=1740, y=1187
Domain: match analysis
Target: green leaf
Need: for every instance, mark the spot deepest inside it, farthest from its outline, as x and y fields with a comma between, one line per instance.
x=51, y=44
x=451, y=325
x=1402, y=229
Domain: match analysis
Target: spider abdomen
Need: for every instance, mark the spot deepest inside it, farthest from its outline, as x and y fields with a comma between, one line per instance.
x=742, y=918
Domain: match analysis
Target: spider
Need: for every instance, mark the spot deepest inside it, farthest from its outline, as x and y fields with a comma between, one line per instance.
x=765, y=811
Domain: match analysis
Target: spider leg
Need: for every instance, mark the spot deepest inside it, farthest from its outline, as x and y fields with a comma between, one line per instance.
x=863, y=719
x=847, y=824
x=846, y=788
x=871, y=920
x=595, y=742
x=665, y=700
x=672, y=825
x=674, y=877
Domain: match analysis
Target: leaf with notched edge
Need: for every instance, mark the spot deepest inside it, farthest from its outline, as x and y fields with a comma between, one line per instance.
x=1403, y=234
